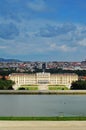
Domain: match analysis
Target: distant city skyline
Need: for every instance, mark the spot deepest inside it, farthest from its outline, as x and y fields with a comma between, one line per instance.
x=43, y=30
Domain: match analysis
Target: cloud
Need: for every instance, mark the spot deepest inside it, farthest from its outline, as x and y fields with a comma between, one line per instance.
x=8, y=31
x=14, y=9
x=66, y=48
x=37, y=5
x=27, y=37
x=82, y=42
x=3, y=47
x=53, y=31
x=63, y=47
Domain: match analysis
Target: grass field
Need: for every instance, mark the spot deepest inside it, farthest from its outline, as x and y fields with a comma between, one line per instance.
x=29, y=87
x=57, y=87
x=45, y=118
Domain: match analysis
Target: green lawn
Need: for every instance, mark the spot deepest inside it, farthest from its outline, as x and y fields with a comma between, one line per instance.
x=77, y=118
x=57, y=87
x=29, y=87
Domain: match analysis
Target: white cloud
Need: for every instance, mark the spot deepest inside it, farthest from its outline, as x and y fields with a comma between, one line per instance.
x=37, y=5
x=66, y=48
x=63, y=47
x=56, y=30
x=82, y=42
x=29, y=43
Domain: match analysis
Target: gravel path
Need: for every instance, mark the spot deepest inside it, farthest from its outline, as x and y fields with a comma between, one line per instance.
x=42, y=125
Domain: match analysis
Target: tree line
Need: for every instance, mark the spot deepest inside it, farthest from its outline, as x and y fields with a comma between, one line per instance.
x=6, y=84
x=53, y=70
x=78, y=85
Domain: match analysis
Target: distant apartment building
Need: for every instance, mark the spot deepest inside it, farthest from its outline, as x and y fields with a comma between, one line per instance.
x=42, y=79
x=82, y=78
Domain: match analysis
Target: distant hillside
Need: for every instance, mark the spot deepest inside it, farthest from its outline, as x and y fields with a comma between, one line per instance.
x=9, y=60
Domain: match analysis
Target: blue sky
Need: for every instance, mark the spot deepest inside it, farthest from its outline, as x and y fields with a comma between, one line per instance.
x=43, y=30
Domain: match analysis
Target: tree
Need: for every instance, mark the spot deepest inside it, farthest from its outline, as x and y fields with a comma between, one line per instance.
x=78, y=85
x=6, y=84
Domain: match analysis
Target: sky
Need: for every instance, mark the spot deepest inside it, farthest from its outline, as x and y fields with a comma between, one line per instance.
x=43, y=30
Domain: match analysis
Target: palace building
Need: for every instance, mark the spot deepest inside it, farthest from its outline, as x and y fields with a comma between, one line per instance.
x=43, y=78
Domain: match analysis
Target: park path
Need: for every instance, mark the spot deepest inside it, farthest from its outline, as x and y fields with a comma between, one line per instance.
x=43, y=87
x=42, y=125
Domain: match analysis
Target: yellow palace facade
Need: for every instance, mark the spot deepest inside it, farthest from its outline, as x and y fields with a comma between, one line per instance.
x=42, y=79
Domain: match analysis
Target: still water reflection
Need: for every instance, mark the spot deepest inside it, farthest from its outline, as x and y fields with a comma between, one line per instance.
x=42, y=105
